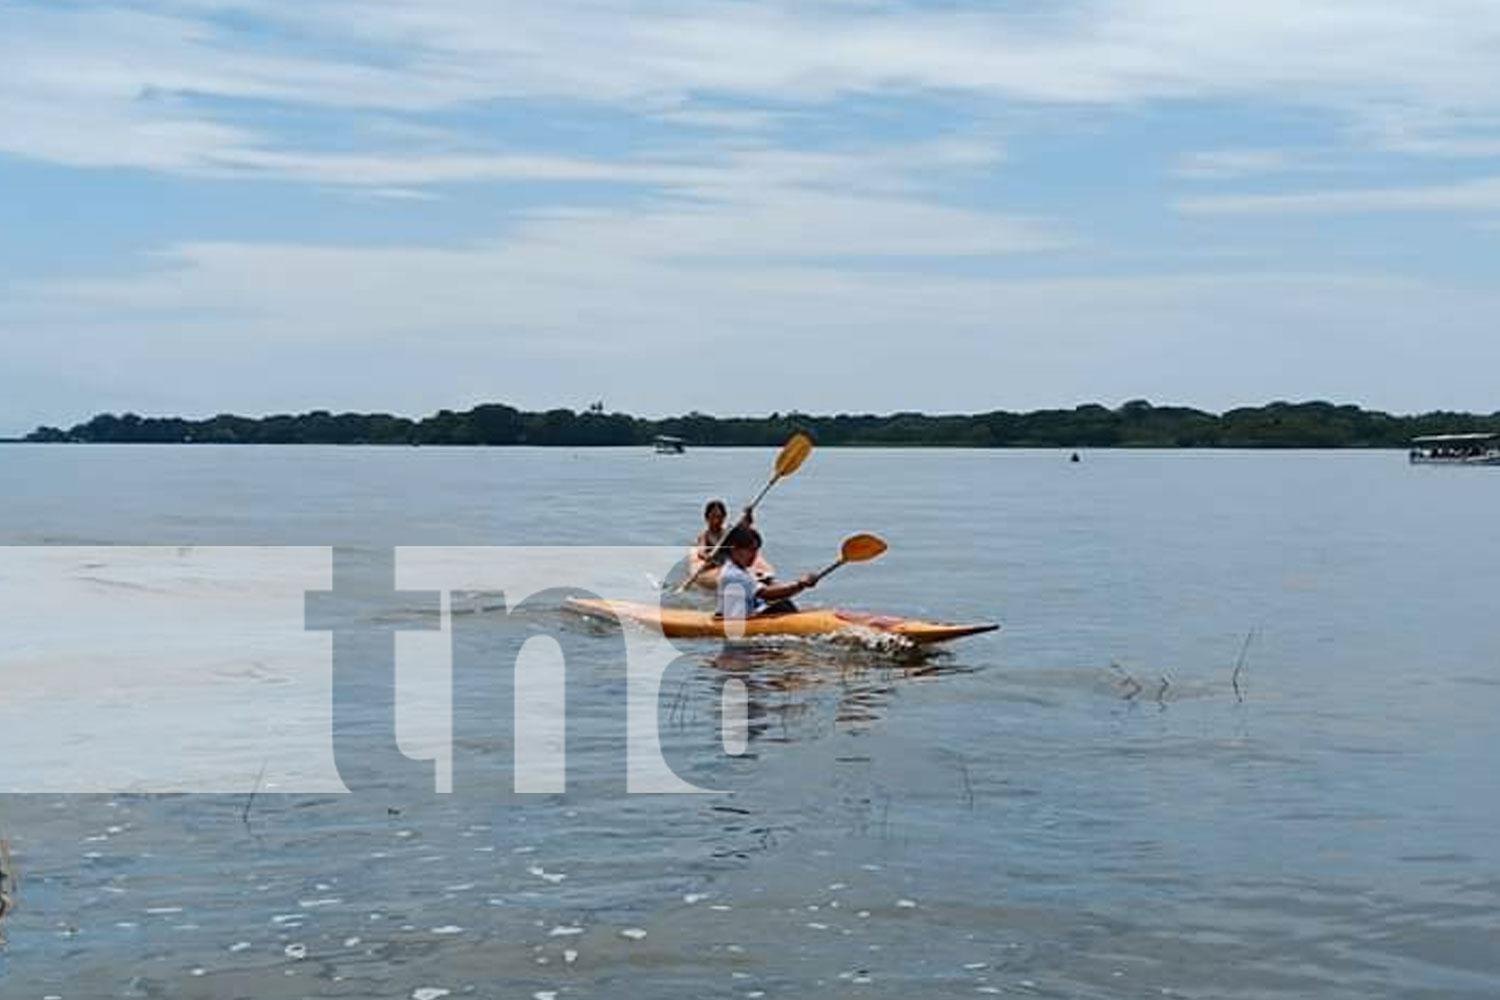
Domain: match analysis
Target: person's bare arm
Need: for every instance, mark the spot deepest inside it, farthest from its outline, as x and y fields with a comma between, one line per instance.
x=781, y=591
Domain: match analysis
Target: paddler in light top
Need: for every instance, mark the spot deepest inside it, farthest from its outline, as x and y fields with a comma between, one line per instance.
x=741, y=595
x=708, y=543
x=714, y=515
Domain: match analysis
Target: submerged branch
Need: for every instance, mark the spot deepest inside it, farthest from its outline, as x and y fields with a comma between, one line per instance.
x=1239, y=667
x=1128, y=684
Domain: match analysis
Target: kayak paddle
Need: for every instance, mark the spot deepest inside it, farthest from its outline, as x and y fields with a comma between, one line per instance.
x=856, y=549
x=792, y=455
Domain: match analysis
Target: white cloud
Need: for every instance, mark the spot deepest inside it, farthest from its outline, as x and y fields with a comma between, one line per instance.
x=1482, y=195
x=1229, y=164
x=537, y=320
x=746, y=120
x=383, y=170
x=134, y=81
x=730, y=237
x=738, y=223
x=1457, y=133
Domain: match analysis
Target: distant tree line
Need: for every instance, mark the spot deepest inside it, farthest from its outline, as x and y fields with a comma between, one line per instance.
x=1136, y=424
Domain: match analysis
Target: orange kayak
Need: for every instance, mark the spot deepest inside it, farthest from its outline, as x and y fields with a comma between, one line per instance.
x=686, y=623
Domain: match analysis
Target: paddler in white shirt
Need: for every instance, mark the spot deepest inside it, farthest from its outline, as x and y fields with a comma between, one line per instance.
x=741, y=595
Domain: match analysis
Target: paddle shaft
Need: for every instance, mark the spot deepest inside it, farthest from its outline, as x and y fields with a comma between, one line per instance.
x=818, y=577
x=795, y=452
x=745, y=517
x=761, y=495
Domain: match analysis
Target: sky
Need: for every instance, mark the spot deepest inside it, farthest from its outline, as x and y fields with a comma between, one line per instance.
x=747, y=206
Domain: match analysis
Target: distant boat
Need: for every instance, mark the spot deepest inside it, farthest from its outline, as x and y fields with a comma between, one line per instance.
x=1455, y=449
x=668, y=445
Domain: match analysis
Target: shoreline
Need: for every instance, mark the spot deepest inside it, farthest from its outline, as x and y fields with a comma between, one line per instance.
x=1135, y=424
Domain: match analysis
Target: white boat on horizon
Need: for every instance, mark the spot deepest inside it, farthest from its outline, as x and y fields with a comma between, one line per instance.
x=1455, y=449
x=666, y=444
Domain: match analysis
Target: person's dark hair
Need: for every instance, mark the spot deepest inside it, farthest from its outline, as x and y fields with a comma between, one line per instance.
x=742, y=537
x=713, y=505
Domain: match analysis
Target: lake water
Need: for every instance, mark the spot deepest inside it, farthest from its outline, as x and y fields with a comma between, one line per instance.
x=1235, y=740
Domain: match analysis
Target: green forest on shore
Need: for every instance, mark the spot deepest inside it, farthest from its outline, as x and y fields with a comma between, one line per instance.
x=1136, y=424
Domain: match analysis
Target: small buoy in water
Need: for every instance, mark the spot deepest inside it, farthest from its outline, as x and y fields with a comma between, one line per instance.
x=1075, y=458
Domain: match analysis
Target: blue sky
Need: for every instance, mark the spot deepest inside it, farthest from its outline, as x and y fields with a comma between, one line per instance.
x=742, y=207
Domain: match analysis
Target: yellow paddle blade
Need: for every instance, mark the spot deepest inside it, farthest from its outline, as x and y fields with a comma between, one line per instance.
x=862, y=548
x=793, y=454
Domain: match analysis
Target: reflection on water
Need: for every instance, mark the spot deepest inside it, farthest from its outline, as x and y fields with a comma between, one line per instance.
x=796, y=688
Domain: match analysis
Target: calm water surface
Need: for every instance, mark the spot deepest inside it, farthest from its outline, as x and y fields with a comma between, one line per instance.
x=1081, y=805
